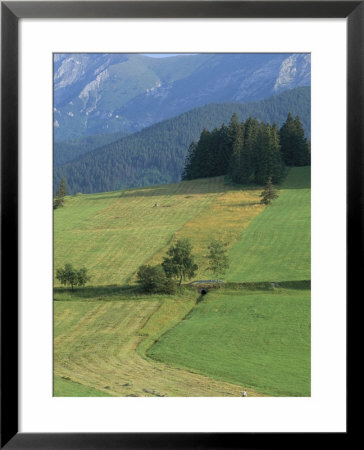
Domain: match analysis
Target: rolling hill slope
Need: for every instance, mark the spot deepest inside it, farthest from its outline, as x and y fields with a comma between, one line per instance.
x=110, y=339
x=102, y=331
x=256, y=335
x=277, y=246
x=116, y=232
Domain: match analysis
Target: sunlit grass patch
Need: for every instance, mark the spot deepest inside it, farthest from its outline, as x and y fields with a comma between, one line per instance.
x=112, y=234
x=257, y=339
x=277, y=244
x=225, y=219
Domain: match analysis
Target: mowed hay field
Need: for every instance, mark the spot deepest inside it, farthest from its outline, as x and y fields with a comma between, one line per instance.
x=101, y=345
x=64, y=387
x=114, y=233
x=111, y=340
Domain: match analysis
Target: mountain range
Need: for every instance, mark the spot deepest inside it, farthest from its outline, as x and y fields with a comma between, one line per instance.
x=124, y=93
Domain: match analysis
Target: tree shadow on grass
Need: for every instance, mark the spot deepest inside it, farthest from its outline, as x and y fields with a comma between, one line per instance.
x=109, y=292
x=244, y=204
x=269, y=285
x=185, y=188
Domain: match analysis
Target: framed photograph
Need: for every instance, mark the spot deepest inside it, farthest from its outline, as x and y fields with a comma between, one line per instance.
x=181, y=212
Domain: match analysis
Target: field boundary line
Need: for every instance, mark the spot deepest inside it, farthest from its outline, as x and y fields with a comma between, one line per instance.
x=143, y=353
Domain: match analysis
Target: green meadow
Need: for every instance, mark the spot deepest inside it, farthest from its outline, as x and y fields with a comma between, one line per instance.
x=111, y=339
x=277, y=244
x=257, y=339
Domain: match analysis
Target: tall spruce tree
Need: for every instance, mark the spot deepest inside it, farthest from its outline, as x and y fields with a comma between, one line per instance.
x=287, y=140
x=224, y=149
x=302, y=153
x=262, y=154
x=276, y=164
x=294, y=145
x=233, y=128
x=248, y=154
x=269, y=192
x=188, y=172
x=235, y=161
x=60, y=194
x=203, y=147
x=213, y=161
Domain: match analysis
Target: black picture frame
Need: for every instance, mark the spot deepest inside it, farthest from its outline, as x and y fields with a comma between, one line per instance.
x=11, y=12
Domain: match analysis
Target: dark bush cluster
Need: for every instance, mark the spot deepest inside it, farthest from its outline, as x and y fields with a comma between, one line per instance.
x=154, y=280
x=68, y=275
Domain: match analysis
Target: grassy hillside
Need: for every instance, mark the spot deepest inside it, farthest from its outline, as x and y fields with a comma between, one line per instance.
x=102, y=331
x=225, y=219
x=259, y=338
x=277, y=246
x=254, y=338
x=109, y=339
x=96, y=345
x=114, y=233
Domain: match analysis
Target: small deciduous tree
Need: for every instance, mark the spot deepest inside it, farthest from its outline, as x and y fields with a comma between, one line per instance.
x=218, y=258
x=154, y=280
x=269, y=193
x=68, y=275
x=180, y=262
x=82, y=277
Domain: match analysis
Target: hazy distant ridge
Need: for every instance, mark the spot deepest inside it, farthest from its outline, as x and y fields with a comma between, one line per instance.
x=107, y=93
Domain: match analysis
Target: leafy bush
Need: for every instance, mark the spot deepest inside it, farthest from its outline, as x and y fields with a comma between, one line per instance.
x=154, y=280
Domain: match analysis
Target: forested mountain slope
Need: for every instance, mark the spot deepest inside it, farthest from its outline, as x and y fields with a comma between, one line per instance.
x=156, y=155
x=66, y=151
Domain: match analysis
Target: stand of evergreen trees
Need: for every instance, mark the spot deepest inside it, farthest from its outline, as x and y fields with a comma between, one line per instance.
x=250, y=151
